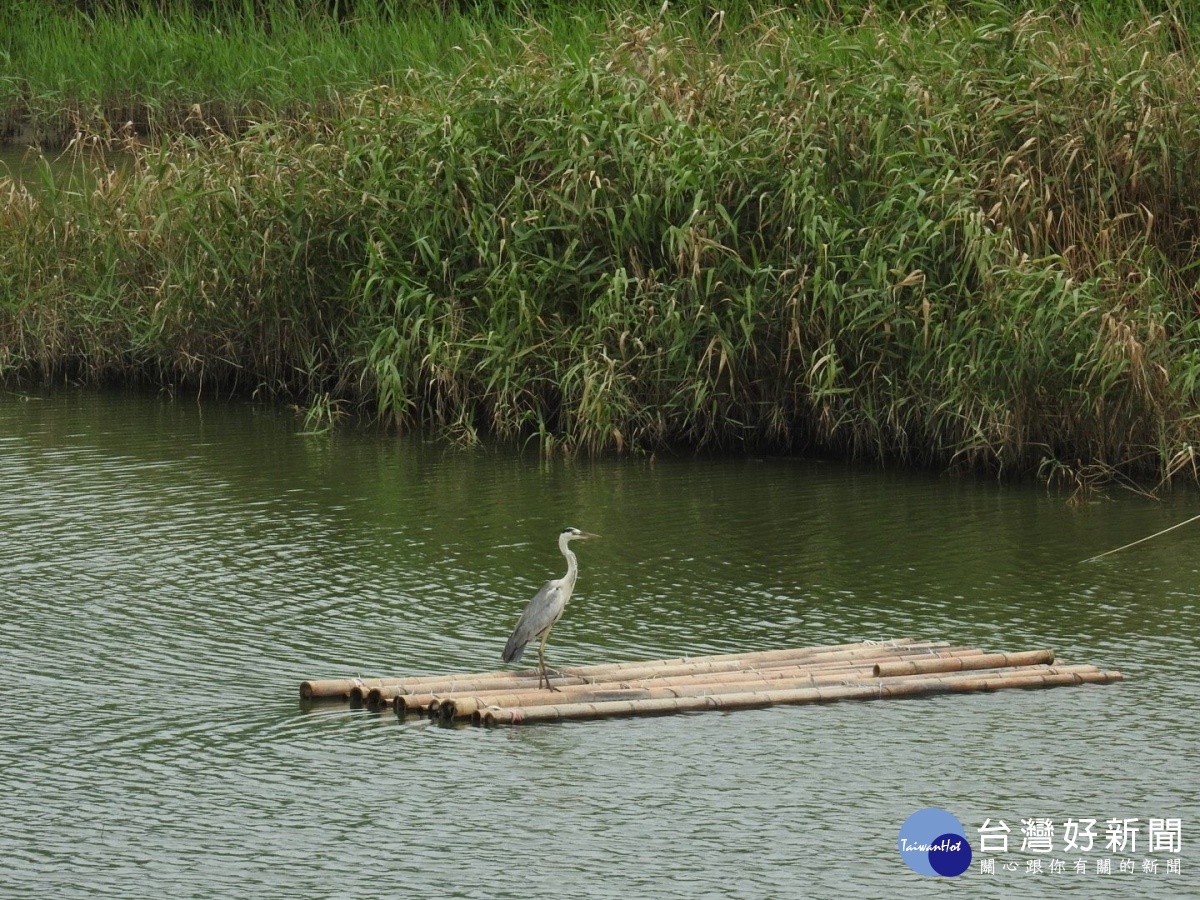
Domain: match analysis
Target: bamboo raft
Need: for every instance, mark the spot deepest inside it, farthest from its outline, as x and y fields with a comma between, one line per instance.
x=867, y=670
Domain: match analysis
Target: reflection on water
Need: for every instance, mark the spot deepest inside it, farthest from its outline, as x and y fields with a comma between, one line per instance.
x=172, y=571
x=31, y=167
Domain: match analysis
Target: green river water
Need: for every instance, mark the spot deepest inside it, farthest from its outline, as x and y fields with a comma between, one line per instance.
x=171, y=570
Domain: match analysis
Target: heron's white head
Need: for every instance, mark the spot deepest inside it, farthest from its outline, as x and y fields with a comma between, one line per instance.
x=574, y=534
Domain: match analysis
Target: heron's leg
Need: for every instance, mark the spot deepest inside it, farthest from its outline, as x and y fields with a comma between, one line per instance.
x=542, y=662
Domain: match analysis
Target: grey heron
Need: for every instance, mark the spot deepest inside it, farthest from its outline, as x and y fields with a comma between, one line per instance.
x=546, y=608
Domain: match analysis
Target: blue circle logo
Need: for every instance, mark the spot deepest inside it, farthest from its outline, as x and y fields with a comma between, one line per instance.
x=932, y=842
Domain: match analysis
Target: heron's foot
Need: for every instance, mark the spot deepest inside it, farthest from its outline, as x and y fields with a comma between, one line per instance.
x=544, y=676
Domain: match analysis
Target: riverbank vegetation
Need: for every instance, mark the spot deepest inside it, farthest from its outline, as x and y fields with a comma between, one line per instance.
x=962, y=239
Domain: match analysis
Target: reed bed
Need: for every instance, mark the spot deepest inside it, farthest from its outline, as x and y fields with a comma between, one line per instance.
x=159, y=68
x=962, y=240
x=868, y=670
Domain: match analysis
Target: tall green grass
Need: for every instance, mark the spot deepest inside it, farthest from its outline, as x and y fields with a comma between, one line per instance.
x=162, y=68
x=958, y=241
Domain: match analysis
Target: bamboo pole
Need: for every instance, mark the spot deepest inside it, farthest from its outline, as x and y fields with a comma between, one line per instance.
x=1002, y=680
x=756, y=699
x=456, y=705
x=714, y=666
x=447, y=705
x=591, y=675
x=462, y=706
x=435, y=702
x=757, y=657
x=1141, y=540
x=340, y=688
x=380, y=696
x=957, y=663
x=327, y=688
x=465, y=707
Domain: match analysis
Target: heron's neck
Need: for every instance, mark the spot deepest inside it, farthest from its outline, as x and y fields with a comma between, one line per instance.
x=572, y=563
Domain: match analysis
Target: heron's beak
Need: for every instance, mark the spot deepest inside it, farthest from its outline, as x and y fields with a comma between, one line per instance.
x=587, y=535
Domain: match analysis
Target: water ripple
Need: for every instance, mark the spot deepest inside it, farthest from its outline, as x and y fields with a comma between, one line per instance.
x=172, y=572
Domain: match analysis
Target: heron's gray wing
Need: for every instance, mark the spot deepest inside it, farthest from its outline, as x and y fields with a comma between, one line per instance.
x=542, y=612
